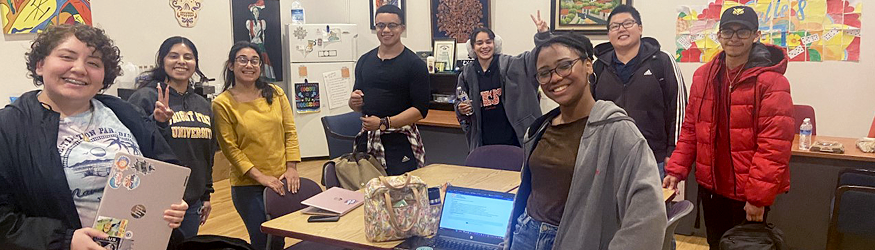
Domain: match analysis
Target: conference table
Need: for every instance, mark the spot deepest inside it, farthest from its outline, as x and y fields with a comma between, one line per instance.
x=349, y=230
x=803, y=213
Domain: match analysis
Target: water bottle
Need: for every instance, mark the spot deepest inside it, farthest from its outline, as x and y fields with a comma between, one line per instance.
x=805, y=134
x=463, y=97
x=297, y=12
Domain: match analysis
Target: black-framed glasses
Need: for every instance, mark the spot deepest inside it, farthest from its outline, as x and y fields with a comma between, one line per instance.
x=391, y=26
x=242, y=60
x=740, y=33
x=626, y=25
x=562, y=69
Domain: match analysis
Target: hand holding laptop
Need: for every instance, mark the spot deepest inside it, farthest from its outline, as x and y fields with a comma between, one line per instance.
x=175, y=214
x=83, y=238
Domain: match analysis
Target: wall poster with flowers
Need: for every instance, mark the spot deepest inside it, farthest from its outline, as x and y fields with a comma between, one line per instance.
x=808, y=30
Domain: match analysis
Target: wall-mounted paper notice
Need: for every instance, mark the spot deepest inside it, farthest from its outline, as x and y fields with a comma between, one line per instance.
x=338, y=88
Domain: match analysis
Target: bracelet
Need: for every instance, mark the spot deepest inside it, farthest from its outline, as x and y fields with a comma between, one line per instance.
x=384, y=123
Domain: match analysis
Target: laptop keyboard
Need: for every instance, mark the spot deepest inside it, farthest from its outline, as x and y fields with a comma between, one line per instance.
x=460, y=245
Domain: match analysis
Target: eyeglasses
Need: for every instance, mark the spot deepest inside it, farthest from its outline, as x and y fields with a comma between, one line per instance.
x=741, y=33
x=562, y=69
x=626, y=25
x=242, y=60
x=391, y=26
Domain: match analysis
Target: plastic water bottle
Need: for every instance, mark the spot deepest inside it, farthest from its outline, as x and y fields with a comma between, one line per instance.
x=463, y=97
x=805, y=134
x=297, y=12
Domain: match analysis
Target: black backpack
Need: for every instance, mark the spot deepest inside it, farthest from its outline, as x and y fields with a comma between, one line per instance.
x=753, y=236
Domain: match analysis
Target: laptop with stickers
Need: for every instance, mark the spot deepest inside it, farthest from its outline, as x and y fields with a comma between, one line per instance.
x=470, y=219
x=136, y=194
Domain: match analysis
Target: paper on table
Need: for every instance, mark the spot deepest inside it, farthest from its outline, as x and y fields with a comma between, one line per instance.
x=338, y=89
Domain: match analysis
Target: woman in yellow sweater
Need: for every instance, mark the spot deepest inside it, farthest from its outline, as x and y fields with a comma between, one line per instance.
x=256, y=132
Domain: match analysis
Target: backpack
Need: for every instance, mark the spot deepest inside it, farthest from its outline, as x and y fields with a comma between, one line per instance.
x=656, y=68
x=354, y=170
x=753, y=236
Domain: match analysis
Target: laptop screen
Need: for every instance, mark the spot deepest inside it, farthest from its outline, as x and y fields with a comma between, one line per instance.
x=476, y=212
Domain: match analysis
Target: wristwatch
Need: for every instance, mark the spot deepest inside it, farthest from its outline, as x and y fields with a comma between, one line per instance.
x=384, y=123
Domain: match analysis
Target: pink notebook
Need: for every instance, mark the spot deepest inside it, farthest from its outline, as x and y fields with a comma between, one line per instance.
x=334, y=201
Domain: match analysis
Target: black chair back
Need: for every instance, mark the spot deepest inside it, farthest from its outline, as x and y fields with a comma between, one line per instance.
x=340, y=132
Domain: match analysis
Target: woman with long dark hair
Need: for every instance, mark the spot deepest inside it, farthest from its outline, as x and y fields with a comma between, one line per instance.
x=257, y=134
x=184, y=119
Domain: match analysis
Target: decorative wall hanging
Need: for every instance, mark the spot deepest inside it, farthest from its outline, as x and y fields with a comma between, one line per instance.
x=186, y=12
x=456, y=19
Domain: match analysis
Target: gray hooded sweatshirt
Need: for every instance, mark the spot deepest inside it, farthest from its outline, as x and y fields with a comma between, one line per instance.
x=520, y=89
x=615, y=200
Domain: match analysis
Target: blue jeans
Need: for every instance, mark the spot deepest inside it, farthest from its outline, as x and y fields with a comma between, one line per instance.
x=249, y=202
x=192, y=220
x=530, y=234
x=661, y=167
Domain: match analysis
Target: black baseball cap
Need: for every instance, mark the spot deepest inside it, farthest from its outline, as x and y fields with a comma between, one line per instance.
x=743, y=15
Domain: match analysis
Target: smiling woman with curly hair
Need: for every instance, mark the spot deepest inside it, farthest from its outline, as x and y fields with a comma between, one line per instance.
x=57, y=144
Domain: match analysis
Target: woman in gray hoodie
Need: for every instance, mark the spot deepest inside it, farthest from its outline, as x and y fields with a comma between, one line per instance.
x=590, y=181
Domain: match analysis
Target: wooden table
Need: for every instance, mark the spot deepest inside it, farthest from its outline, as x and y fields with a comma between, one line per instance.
x=803, y=213
x=440, y=118
x=851, y=151
x=349, y=231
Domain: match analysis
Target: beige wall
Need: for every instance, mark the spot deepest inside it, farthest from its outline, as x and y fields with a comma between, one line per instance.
x=841, y=92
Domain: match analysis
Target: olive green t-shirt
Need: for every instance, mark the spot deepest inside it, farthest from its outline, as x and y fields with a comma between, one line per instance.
x=552, y=166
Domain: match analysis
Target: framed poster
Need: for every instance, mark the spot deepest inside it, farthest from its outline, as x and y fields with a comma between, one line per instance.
x=307, y=97
x=376, y=4
x=587, y=16
x=456, y=19
x=258, y=21
x=444, y=52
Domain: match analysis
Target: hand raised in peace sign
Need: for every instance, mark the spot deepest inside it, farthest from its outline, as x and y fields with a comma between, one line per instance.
x=162, y=112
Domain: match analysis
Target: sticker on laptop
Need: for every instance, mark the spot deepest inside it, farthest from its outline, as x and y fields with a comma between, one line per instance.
x=114, y=243
x=143, y=167
x=111, y=226
x=138, y=211
x=132, y=181
x=122, y=163
x=116, y=181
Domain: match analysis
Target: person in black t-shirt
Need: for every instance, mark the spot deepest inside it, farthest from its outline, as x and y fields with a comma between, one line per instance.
x=395, y=82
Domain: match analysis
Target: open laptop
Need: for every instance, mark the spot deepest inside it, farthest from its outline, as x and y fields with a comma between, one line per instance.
x=136, y=194
x=470, y=219
x=335, y=202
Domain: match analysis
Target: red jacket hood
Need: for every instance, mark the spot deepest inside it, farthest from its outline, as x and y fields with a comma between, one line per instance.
x=763, y=58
